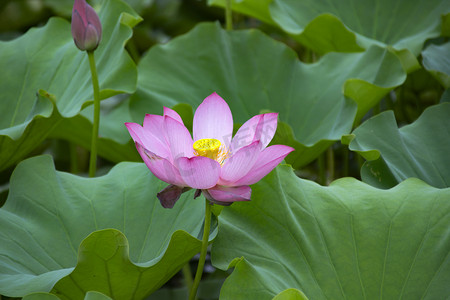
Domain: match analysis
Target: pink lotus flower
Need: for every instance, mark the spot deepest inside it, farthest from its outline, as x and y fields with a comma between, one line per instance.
x=86, y=26
x=214, y=163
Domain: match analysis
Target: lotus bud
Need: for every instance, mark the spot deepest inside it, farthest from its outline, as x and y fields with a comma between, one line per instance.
x=86, y=26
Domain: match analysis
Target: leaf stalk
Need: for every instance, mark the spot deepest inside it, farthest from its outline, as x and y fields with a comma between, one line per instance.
x=95, y=127
x=228, y=15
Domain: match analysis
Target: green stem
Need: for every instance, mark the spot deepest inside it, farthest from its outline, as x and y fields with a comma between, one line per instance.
x=93, y=158
x=201, y=261
x=228, y=15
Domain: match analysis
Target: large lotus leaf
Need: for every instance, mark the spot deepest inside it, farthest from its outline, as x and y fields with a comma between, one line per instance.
x=290, y=294
x=78, y=130
x=445, y=96
x=323, y=34
x=114, y=141
x=46, y=58
x=47, y=296
x=419, y=150
x=402, y=25
x=345, y=241
x=436, y=60
x=104, y=265
x=349, y=25
x=254, y=73
x=376, y=173
x=91, y=295
x=256, y=8
x=43, y=118
x=49, y=213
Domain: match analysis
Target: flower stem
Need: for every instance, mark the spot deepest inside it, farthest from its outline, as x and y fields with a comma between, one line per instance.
x=228, y=15
x=201, y=261
x=93, y=158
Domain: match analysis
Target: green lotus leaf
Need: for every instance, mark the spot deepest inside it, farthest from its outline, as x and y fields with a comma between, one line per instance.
x=104, y=265
x=345, y=241
x=402, y=25
x=256, y=8
x=114, y=141
x=323, y=34
x=47, y=59
x=445, y=96
x=60, y=232
x=254, y=73
x=376, y=173
x=417, y=150
x=43, y=118
x=96, y=296
x=47, y=296
x=290, y=294
x=436, y=60
x=40, y=296
x=349, y=25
